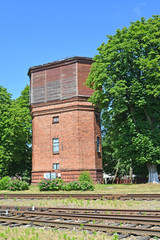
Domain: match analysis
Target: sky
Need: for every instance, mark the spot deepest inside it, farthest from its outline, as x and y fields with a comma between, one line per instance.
x=35, y=32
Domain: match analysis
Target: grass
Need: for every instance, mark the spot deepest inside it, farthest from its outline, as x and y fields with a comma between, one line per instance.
x=32, y=233
x=102, y=188
x=71, y=202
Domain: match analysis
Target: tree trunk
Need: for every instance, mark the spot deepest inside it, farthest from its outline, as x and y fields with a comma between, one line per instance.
x=115, y=175
x=130, y=174
x=152, y=173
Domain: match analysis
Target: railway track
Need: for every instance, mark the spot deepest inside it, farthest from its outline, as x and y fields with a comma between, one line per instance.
x=124, y=222
x=83, y=196
x=83, y=210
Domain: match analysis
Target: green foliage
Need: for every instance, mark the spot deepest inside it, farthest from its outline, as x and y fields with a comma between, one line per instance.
x=15, y=134
x=17, y=185
x=85, y=176
x=4, y=183
x=58, y=184
x=44, y=185
x=126, y=78
x=74, y=185
x=50, y=184
x=85, y=185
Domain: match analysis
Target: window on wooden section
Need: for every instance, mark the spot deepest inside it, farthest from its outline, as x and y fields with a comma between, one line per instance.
x=55, y=145
x=55, y=119
x=98, y=147
x=56, y=166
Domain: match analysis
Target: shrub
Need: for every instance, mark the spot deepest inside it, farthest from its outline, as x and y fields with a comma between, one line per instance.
x=85, y=177
x=85, y=185
x=44, y=185
x=74, y=185
x=56, y=184
x=4, y=183
x=66, y=187
x=17, y=185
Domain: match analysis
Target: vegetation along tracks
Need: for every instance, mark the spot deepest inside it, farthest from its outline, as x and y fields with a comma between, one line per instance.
x=124, y=222
x=84, y=196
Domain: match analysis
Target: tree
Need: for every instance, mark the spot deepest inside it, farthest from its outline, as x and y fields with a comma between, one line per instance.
x=21, y=129
x=5, y=105
x=126, y=78
x=15, y=138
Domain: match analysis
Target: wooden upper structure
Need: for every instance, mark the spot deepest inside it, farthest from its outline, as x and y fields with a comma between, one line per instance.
x=59, y=80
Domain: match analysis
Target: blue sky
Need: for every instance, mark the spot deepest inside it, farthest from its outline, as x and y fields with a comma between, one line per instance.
x=34, y=32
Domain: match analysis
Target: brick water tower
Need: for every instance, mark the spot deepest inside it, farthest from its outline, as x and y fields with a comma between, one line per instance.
x=66, y=127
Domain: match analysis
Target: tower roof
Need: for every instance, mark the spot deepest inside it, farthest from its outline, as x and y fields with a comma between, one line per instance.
x=58, y=63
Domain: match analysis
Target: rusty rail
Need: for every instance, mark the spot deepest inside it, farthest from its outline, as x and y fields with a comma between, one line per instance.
x=83, y=196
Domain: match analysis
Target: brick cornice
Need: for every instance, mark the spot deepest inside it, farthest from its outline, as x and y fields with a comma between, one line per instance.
x=69, y=170
x=55, y=102
x=61, y=109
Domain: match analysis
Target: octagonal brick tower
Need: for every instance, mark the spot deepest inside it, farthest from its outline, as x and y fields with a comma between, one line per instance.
x=66, y=127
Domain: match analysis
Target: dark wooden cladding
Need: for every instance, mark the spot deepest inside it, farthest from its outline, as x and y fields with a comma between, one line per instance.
x=83, y=71
x=53, y=84
x=62, y=81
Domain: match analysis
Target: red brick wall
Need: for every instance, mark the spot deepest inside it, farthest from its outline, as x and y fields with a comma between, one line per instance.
x=77, y=130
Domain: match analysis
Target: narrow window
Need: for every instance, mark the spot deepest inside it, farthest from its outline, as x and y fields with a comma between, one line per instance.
x=97, y=118
x=56, y=166
x=55, y=145
x=98, y=149
x=56, y=119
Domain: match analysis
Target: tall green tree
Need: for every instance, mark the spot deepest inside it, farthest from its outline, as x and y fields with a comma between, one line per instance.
x=5, y=143
x=16, y=155
x=126, y=78
x=21, y=138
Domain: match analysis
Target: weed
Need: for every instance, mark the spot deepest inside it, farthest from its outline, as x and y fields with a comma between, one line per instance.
x=115, y=237
x=65, y=236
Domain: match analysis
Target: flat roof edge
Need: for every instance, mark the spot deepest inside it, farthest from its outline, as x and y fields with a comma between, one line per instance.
x=59, y=63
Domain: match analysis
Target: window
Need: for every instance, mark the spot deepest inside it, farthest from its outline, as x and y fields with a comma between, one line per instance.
x=56, y=119
x=98, y=148
x=53, y=175
x=47, y=175
x=56, y=166
x=97, y=118
x=55, y=145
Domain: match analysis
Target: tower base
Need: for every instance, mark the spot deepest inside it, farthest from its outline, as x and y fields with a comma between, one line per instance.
x=70, y=175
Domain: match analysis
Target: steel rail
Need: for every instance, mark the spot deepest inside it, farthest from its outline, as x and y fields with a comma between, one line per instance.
x=83, y=196
x=137, y=219
x=124, y=218
x=108, y=228
x=85, y=210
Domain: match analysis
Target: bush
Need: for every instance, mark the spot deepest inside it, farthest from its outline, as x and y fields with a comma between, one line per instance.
x=74, y=185
x=4, y=183
x=17, y=185
x=56, y=184
x=85, y=177
x=85, y=185
x=44, y=185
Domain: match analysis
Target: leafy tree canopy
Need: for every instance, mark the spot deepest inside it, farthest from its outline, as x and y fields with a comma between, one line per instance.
x=126, y=78
x=15, y=134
